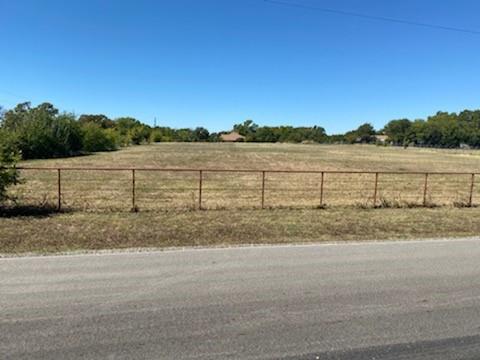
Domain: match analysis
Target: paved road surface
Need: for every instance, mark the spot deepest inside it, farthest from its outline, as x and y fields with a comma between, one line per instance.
x=417, y=300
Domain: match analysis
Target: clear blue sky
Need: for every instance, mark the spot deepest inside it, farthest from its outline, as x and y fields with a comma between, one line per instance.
x=214, y=63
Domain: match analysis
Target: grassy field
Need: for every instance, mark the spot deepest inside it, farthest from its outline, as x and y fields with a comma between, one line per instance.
x=99, y=190
x=80, y=231
x=100, y=203
x=274, y=156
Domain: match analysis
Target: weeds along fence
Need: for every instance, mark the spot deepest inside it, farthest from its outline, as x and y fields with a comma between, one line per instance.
x=142, y=189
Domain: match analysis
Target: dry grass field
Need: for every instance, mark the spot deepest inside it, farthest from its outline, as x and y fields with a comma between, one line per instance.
x=97, y=203
x=93, y=231
x=274, y=156
x=112, y=191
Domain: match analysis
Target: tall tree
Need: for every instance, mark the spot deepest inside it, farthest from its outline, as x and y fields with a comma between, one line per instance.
x=100, y=120
x=398, y=131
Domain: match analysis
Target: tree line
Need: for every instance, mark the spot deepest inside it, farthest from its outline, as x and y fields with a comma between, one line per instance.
x=446, y=130
x=28, y=132
x=45, y=132
x=364, y=134
x=39, y=132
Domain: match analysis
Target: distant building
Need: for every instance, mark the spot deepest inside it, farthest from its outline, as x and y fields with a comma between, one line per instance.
x=382, y=139
x=232, y=137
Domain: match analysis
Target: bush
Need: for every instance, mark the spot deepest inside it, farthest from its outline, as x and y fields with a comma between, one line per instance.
x=42, y=133
x=139, y=134
x=8, y=159
x=45, y=137
x=156, y=136
x=97, y=139
x=101, y=120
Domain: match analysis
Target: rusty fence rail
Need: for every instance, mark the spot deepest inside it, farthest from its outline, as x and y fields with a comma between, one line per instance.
x=92, y=188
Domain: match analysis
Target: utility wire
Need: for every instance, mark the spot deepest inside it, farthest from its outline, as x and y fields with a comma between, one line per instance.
x=372, y=17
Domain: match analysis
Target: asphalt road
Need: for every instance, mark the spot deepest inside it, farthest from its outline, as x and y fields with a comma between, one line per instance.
x=418, y=300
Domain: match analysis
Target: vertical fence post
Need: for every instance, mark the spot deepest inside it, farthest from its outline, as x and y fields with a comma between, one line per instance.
x=425, y=190
x=200, y=183
x=59, y=189
x=375, y=193
x=263, y=189
x=472, y=185
x=321, y=188
x=134, y=206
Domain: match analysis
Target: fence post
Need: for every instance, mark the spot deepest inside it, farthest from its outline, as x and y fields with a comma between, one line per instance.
x=375, y=191
x=200, y=183
x=263, y=189
x=321, y=188
x=472, y=185
x=59, y=189
x=134, y=206
x=425, y=190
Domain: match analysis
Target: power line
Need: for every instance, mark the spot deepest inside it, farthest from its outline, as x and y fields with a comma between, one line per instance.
x=372, y=17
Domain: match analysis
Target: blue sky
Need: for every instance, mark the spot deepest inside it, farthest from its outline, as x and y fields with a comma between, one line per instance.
x=214, y=63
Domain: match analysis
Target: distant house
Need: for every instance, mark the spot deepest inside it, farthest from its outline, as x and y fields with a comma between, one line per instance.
x=232, y=137
x=382, y=139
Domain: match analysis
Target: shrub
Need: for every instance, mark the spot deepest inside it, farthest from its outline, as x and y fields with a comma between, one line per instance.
x=97, y=139
x=8, y=159
x=156, y=136
x=139, y=134
x=46, y=137
x=101, y=120
x=42, y=133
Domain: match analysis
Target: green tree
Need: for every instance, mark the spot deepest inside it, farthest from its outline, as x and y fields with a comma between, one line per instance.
x=443, y=130
x=101, y=120
x=132, y=131
x=417, y=132
x=398, y=131
x=14, y=120
x=162, y=134
x=139, y=134
x=96, y=138
x=264, y=134
x=8, y=159
x=184, y=135
x=201, y=134
x=248, y=128
x=125, y=124
x=366, y=133
x=41, y=132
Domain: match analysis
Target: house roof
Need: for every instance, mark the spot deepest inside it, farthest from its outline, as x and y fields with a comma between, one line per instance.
x=232, y=136
x=381, y=137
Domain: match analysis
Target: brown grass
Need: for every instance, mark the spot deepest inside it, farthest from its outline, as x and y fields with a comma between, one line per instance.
x=166, y=200
x=98, y=190
x=78, y=231
x=285, y=156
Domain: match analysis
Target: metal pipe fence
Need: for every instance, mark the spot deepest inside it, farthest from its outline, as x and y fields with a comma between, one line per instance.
x=92, y=188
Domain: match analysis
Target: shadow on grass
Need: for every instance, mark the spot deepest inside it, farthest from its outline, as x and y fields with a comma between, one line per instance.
x=30, y=211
